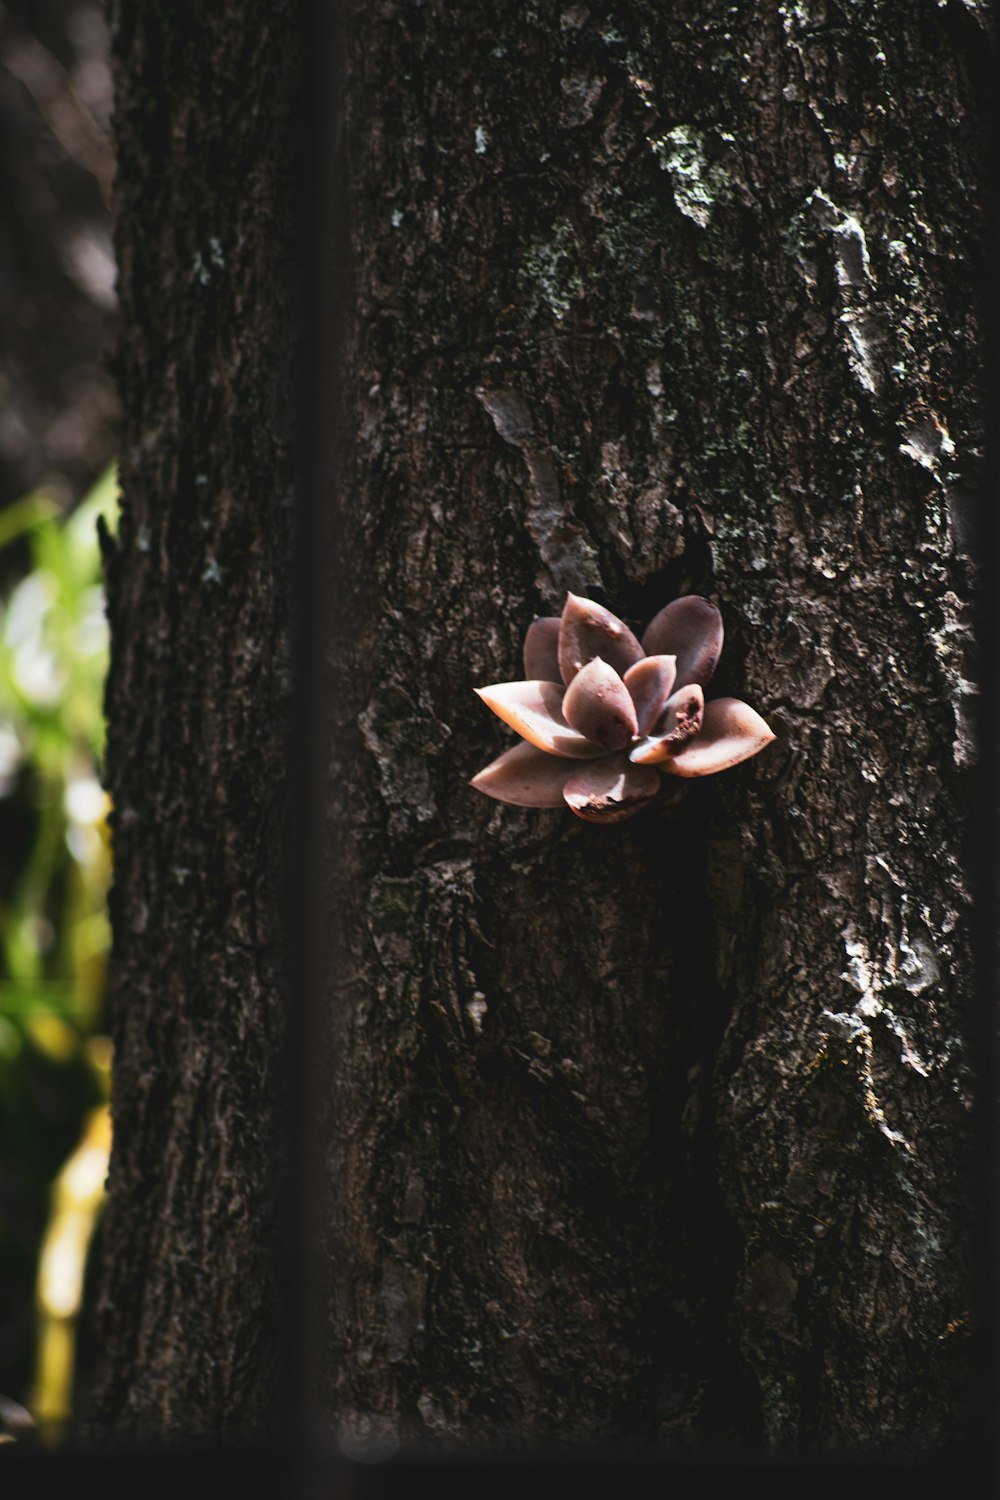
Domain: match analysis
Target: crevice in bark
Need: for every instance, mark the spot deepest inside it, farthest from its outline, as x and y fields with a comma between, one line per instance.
x=689, y=573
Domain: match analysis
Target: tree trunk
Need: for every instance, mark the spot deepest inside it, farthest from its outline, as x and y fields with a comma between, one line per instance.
x=657, y=1130
x=197, y=703
x=653, y=1133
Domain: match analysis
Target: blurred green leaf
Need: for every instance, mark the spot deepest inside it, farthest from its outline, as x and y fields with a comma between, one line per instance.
x=20, y=517
x=54, y=848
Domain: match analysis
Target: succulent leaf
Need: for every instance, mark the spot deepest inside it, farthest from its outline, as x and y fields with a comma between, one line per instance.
x=534, y=709
x=541, y=650
x=731, y=731
x=690, y=629
x=599, y=705
x=588, y=630
x=682, y=717
x=650, y=683
x=610, y=790
x=680, y=722
x=524, y=777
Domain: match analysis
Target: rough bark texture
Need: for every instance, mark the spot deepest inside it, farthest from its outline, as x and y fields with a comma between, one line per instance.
x=653, y=1132
x=198, y=711
x=657, y=1131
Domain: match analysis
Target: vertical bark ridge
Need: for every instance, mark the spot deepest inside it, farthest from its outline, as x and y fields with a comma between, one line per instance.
x=197, y=704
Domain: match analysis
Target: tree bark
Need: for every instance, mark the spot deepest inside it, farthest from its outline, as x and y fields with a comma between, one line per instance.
x=657, y=1131
x=197, y=705
x=653, y=1133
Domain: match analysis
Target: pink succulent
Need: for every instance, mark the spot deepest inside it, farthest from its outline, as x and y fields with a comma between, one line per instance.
x=601, y=715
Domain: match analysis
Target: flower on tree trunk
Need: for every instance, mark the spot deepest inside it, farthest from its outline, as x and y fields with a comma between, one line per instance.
x=601, y=715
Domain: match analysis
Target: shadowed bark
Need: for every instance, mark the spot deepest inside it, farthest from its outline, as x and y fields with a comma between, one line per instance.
x=197, y=702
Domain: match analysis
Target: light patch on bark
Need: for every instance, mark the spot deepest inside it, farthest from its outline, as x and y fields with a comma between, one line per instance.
x=852, y=1030
x=395, y=730
x=865, y=338
x=634, y=512
x=911, y=963
x=550, y=272
x=926, y=442
x=570, y=560
x=698, y=184
x=402, y=1293
x=433, y=1414
x=952, y=646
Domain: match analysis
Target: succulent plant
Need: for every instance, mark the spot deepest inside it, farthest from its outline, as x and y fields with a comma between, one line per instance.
x=601, y=715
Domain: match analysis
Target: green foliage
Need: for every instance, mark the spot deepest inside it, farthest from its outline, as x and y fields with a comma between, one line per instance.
x=54, y=866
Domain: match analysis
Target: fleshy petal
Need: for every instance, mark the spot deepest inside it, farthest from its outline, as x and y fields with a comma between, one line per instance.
x=534, y=709
x=651, y=682
x=541, y=650
x=690, y=629
x=610, y=790
x=681, y=721
x=732, y=731
x=588, y=630
x=524, y=777
x=599, y=705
